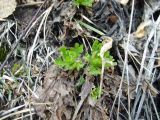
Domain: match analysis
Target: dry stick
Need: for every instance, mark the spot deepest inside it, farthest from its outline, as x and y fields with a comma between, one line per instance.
x=21, y=36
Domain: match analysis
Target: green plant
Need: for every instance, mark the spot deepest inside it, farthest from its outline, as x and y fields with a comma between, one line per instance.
x=90, y=27
x=70, y=58
x=94, y=60
x=87, y=3
x=95, y=93
x=80, y=82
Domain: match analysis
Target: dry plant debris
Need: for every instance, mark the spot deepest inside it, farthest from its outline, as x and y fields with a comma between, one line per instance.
x=7, y=7
x=123, y=2
x=140, y=32
x=56, y=93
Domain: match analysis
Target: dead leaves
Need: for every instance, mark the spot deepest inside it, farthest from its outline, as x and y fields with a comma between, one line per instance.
x=57, y=96
x=123, y=2
x=84, y=93
x=33, y=1
x=7, y=7
x=141, y=29
x=56, y=93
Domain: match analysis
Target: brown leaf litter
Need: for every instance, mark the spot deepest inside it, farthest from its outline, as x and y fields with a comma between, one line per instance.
x=57, y=98
x=7, y=7
x=57, y=91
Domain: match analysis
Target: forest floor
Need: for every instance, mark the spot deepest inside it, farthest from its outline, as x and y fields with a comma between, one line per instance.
x=79, y=59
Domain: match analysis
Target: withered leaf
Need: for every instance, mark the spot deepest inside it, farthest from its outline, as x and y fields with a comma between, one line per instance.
x=140, y=32
x=123, y=2
x=7, y=7
x=86, y=89
x=55, y=93
x=107, y=44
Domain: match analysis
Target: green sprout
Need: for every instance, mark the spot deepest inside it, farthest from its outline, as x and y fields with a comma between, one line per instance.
x=73, y=59
x=94, y=60
x=95, y=93
x=87, y=3
x=80, y=82
x=70, y=58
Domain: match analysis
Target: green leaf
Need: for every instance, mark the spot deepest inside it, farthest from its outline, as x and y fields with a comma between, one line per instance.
x=96, y=46
x=80, y=82
x=91, y=28
x=59, y=62
x=87, y=3
x=95, y=62
x=69, y=59
x=95, y=93
x=94, y=71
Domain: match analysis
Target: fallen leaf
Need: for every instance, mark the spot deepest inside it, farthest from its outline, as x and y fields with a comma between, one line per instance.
x=56, y=92
x=91, y=101
x=149, y=87
x=86, y=89
x=131, y=48
x=7, y=7
x=123, y=2
x=33, y=1
x=140, y=32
